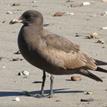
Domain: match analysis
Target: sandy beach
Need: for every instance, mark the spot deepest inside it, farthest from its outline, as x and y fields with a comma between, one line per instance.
x=77, y=22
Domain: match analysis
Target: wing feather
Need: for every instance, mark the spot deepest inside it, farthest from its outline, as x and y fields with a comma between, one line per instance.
x=63, y=53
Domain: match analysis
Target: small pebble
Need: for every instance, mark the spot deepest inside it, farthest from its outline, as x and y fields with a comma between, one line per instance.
x=16, y=59
x=26, y=73
x=70, y=13
x=104, y=13
x=16, y=4
x=77, y=35
x=104, y=28
x=18, y=52
x=87, y=100
x=93, y=36
x=9, y=12
x=58, y=13
x=75, y=78
x=86, y=3
x=100, y=41
x=17, y=99
x=34, y=1
x=20, y=74
x=88, y=93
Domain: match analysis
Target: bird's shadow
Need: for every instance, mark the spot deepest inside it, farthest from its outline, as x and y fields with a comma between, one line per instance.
x=25, y=93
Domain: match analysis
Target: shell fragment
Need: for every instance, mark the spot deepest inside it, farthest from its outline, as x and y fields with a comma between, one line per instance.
x=86, y=3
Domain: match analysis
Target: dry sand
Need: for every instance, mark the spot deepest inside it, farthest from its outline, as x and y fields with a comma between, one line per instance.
x=86, y=19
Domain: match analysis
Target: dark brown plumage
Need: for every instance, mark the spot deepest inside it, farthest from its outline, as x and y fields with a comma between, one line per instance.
x=52, y=53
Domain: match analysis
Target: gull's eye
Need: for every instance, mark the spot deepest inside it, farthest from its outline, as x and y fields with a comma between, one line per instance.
x=27, y=16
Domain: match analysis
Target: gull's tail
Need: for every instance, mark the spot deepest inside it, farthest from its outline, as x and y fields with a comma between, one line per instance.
x=90, y=75
x=99, y=62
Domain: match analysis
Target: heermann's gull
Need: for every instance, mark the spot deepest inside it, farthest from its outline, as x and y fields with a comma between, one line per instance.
x=52, y=53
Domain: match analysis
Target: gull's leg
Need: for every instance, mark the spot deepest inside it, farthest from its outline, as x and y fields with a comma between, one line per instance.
x=51, y=86
x=42, y=88
x=43, y=83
